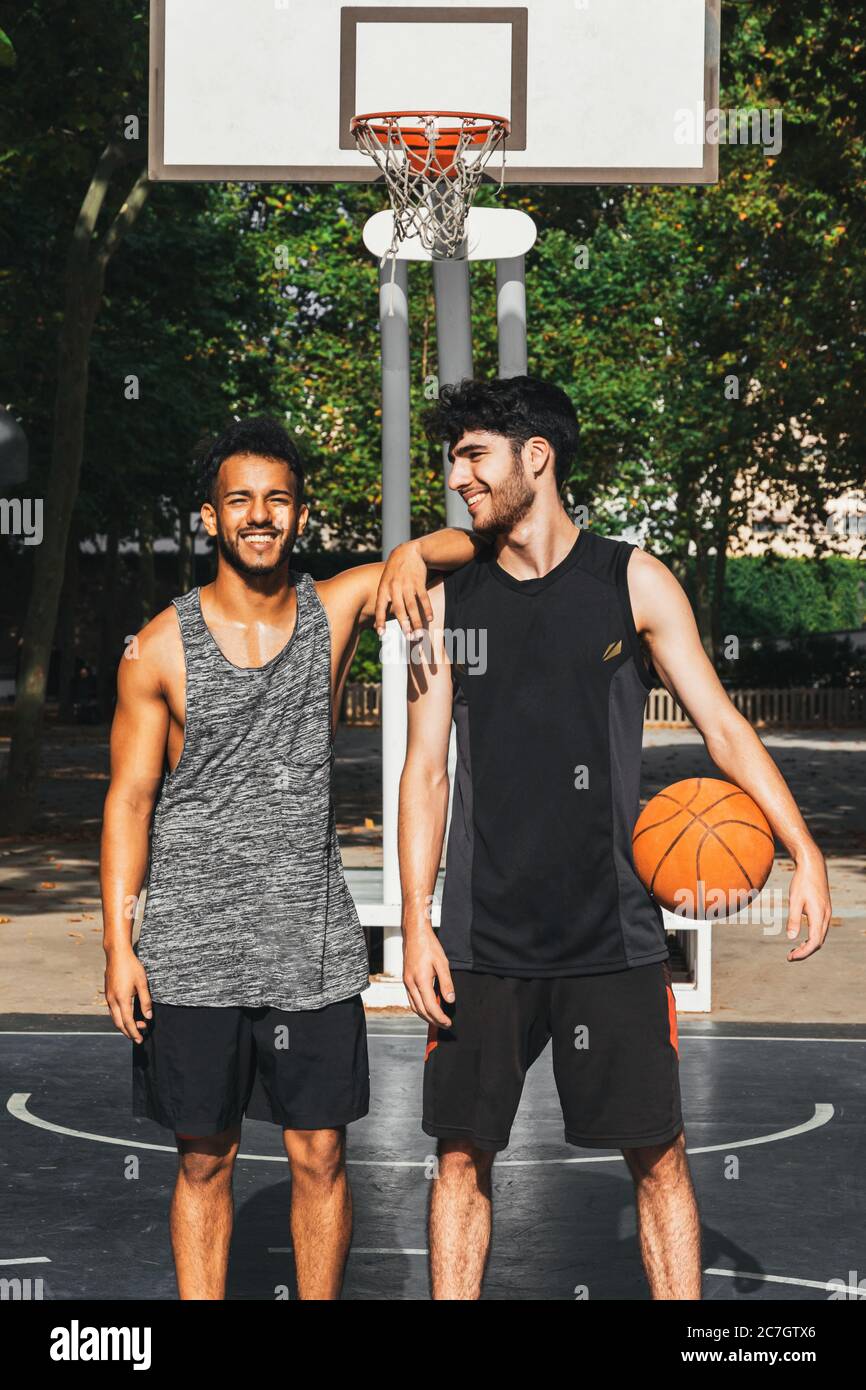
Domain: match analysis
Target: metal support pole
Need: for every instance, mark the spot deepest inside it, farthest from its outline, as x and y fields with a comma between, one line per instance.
x=454, y=340
x=453, y=294
x=394, y=325
x=511, y=313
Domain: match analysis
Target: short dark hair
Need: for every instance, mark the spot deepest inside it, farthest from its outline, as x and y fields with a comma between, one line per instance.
x=259, y=435
x=518, y=407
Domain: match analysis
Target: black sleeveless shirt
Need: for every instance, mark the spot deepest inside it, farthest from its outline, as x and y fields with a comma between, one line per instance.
x=549, y=690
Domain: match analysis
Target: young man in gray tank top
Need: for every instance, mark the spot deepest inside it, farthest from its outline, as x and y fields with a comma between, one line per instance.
x=243, y=993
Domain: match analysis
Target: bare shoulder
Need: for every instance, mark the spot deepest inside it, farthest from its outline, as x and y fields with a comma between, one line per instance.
x=351, y=588
x=154, y=658
x=654, y=590
x=644, y=568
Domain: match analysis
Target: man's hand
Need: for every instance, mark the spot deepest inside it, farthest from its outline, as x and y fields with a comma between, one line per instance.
x=403, y=588
x=424, y=962
x=809, y=897
x=125, y=979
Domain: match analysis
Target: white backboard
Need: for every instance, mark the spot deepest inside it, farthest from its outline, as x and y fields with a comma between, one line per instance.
x=596, y=90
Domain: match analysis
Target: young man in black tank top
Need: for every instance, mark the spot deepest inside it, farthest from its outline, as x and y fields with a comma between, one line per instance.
x=542, y=652
x=242, y=995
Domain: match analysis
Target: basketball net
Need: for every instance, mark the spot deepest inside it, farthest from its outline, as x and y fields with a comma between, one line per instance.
x=432, y=163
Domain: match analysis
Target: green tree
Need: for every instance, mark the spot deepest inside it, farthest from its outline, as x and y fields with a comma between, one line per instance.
x=63, y=115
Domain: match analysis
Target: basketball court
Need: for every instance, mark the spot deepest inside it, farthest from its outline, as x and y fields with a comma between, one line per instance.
x=430, y=102
x=774, y=1125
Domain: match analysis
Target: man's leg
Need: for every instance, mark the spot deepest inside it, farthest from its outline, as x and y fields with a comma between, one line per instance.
x=202, y=1212
x=669, y=1227
x=461, y=1216
x=473, y=1078
x=321, y=1209
x=619, y=1087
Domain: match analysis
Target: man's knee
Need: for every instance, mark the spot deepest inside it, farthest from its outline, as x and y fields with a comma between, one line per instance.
x=207, y=1158
x=460, y=1161
x=316, y=1155
x=658, y=1162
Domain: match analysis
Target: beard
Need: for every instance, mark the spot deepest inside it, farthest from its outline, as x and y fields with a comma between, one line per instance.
x=509, y=503
x=229, y=549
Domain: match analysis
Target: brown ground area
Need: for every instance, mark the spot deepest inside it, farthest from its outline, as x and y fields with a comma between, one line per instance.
x=50, y=923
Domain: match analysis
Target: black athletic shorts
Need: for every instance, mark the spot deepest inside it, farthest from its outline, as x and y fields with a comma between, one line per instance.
x=615, y=1057
x=200, y=1070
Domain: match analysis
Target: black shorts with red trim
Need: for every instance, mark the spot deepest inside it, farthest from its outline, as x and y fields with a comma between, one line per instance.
x=615, y=1057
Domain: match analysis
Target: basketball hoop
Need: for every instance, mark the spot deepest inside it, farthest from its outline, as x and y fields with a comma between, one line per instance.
x=432, y=162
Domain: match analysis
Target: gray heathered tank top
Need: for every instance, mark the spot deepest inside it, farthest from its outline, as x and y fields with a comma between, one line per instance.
x=246, y=899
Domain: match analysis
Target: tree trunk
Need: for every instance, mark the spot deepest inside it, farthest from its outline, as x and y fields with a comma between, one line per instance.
x=49, y=561
x=703, y=609
x=68, y=627
x=85, y=279
x=721, y=560
x=146, y=569
x=678, y=560
x=425, y=339
x=186, y=554
x=109, y=656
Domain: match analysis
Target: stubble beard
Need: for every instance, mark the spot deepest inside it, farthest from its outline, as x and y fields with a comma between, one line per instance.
x=230, y=552
x=509, y=504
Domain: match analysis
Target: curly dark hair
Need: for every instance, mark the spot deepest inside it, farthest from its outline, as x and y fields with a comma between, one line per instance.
x=259, y=435
x=519, y=408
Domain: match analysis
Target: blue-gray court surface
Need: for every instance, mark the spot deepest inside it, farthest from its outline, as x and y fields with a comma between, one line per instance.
x=775, y=1131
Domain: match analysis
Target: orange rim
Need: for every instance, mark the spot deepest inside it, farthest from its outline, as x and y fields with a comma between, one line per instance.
x=435, y=115
x=417, y=142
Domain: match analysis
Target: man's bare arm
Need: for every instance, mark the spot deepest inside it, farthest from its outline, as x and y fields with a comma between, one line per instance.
x=397, y=588
x=139, y=735
x=664, y=619
x=422, y=816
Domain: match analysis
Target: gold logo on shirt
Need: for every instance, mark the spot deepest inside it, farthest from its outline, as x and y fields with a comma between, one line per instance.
x=615, y=649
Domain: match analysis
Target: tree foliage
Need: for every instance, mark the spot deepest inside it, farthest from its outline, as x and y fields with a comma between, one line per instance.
x=645, y=303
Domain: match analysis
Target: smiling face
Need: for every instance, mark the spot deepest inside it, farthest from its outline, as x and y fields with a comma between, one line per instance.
x=492, y=477
x=255, y=518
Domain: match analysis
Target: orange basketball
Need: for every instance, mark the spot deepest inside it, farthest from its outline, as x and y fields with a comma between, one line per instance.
x=703, y=848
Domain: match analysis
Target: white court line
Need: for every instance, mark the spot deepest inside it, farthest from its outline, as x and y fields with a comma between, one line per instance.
x=371, y=1250
x=17, y=1107
x=114, y=1033
x=777, y=1279
x=28, y=1260
x=684, y=1037
x=727, y=1273
x=355, y=1250
x=822, y=1116
x=732, y=1037
x=824, y=1285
